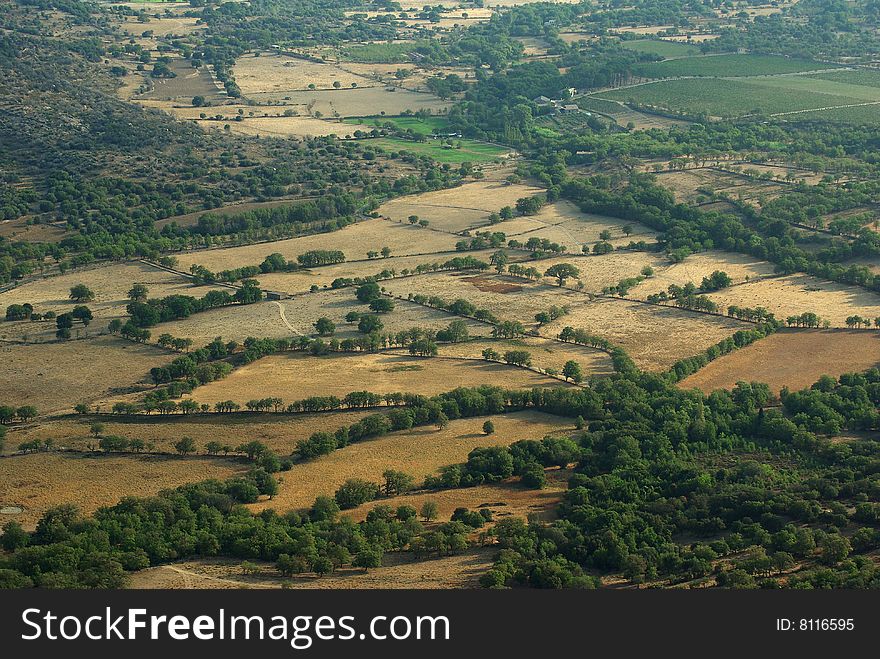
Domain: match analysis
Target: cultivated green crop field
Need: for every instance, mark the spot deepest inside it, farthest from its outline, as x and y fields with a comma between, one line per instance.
x=862, y=77
x=821, y=86
x=420, y=126
x=727, y=98
x=862, y=115
x=593, y=104
x=661, y=48
x=729, y=65
x=470, y=151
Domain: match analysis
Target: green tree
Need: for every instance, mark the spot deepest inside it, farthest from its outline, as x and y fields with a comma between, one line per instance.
x=572, y=371
x=488, y=427
x=185, y=445
x=429, y=510
x=562, y=272
x=325, y=327
x=81, y=293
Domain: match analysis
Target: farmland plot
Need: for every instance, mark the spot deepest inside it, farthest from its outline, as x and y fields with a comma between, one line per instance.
x=294, y=317
x=300, y=281
x=359, y=102
x=40, y=481
x=294, y=377
x=564, y=223
x=457, y=209
x=797, y=294
x=279, y=73
x=506, y=297
x=739, y=267
x=354, y=241
x=110, y=284
x=654, y=336
x=280, y=432
x=794, y=359
x=418, y=452
x=56, y=376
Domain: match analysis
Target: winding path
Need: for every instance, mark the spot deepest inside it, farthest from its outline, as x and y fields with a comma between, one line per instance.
x=284, y=319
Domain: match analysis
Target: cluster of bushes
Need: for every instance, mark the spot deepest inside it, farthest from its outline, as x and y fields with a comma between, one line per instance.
x=23, y=413
x=177, y=307
x=526, y=459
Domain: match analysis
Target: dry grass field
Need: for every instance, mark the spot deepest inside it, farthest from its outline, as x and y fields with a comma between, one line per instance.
x=283, y=127
x=686, y=185
x=110, y=284
x=294, y=377
x=296, y=316
x=189, y=82
x=466, y=207
x=545, y=353
x=418, y=452
x=354, y=240
x=280, y=432
x=56, y=376
x=796, y=294
x=507, y=297
x=654, y=336
x=739, y=267
x=300, y=281
x=359, y=102
x=599, y=272
x=272, y=73
x=562, y=222
x=795, y=359
x=39, y=481
x=461, y=570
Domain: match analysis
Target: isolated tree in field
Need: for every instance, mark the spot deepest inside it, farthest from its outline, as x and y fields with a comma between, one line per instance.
x=572, y=371
x=185, y=445
x=325, y=327
x=382, y=305
x=488, y=427
x=627, y=229
x=413, y=219
x=114, y=326
x=81, y=293
x=605, y=234
x=213, y=448
x=563, y=272
x=386, y=252
x=429, y=510
x=138, y=293
x=97, y=428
